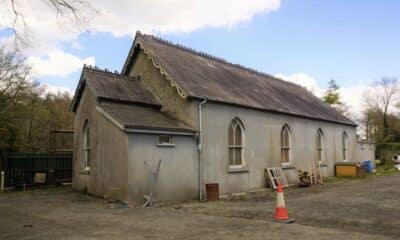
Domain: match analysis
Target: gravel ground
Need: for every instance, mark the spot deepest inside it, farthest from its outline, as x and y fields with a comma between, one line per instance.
x=366, y=206
x=351, y=209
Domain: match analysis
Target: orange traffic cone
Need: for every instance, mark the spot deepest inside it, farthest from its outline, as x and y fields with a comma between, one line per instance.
x=281, y=213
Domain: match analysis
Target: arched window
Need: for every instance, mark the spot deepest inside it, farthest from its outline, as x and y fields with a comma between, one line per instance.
x=285, y=144
x=320, y=145
x=86, y=144
x=344, y=145
x=235, y=142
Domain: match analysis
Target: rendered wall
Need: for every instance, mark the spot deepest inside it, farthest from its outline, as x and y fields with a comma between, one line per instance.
x=262, y=145
x=86, y=110
x=112, y=169
x=107, y=176
x=178, y=176
x=366, y=151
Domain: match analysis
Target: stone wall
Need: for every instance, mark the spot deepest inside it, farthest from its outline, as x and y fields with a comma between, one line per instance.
x=173, y=104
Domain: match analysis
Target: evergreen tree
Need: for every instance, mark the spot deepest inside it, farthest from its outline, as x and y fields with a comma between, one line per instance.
x=332, y=95
x=333, y=98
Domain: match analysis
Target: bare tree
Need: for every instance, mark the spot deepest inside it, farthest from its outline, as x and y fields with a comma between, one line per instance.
x=62, y=9
x=378, y=100
x=14, y=84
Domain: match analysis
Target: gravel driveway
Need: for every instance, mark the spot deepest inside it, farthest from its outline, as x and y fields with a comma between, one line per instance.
x=350, y=209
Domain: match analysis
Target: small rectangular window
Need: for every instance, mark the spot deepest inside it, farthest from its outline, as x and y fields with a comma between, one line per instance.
x=164, y=139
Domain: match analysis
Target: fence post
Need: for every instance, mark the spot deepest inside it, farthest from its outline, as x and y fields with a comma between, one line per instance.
x=2, y=182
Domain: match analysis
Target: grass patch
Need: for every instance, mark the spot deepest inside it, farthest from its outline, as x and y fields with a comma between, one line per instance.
x=339, y=179
x=385, y=169
x=381, y=170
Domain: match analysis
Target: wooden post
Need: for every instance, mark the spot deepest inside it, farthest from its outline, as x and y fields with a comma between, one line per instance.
x=2, y=182
x=320, y=174
x=301, y=166
x=310, y=172
x=313, y=173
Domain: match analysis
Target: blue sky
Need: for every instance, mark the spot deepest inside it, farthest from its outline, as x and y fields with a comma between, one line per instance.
x=355, y=42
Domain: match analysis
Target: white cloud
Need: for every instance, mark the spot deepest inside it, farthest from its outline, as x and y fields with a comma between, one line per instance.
x=176, y=15
x=76, y=45
x=51, y=89
x=128, y=16
x=47, y=33
x=352, y=96
x=57, y=63
x=301, y=79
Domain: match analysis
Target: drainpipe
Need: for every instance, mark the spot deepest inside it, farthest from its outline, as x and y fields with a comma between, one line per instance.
x=200, y=146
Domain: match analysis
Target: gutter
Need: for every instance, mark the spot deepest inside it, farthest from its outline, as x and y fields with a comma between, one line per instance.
x=157, y=132
x=200, y=146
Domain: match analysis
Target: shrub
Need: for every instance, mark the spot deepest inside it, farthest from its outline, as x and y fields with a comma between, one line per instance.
x=385, y=151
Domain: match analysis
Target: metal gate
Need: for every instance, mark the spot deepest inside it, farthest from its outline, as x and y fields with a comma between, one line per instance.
x=37, y=169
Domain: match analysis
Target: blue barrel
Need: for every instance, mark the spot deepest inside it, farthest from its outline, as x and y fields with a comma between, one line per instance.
x=370, y=166
x=364, y=165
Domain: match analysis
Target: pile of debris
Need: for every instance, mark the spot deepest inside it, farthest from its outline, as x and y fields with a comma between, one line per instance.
x=113, y=203
x=306, y=179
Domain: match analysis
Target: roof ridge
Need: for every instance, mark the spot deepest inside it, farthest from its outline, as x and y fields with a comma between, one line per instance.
x=215, y=58
x=107, y=72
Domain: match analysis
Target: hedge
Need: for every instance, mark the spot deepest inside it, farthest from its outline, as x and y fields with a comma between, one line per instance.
x=385, y=151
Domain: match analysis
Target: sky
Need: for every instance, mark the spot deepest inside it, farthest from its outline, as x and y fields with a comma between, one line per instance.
x=308, y=42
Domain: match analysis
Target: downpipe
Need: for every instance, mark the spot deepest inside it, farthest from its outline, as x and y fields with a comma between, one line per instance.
x=200, y=146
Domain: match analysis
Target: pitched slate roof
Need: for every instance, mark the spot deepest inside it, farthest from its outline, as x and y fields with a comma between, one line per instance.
x=126, y=100
x=142, y=117
x=199, y=75
x=113, y=86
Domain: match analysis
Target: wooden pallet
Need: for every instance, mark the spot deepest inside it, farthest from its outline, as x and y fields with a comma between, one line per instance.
x=275, y=176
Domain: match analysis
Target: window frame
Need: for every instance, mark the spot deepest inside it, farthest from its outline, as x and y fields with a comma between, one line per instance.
x=287, y=148
x=345, y=148
x=165, y=142
x=320, y=144
x=86, y=148
x=170, y=143
x=234, y=125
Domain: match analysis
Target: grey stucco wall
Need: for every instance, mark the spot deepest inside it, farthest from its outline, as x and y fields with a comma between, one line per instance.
x=178, y=176
x=366, y=151
x=112, y=169
x=86, y=110
x=262, y=145
x=107, y=176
